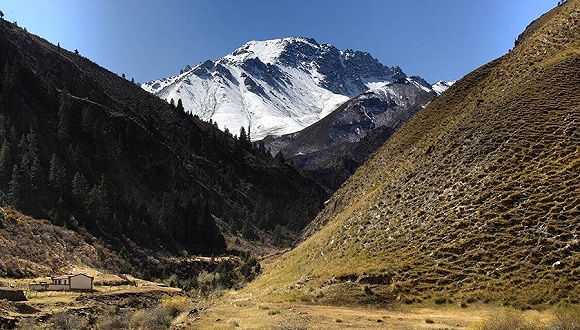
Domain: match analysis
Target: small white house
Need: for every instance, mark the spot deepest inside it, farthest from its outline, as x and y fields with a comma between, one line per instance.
x=69, y=282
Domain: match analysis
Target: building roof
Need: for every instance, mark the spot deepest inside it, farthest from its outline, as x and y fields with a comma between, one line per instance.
x=62, y=277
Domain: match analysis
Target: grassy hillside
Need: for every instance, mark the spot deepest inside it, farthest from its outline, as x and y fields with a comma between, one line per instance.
x=32, y=247
x=475, y=198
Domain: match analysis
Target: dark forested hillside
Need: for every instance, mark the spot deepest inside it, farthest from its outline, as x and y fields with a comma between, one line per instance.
x=84, y=147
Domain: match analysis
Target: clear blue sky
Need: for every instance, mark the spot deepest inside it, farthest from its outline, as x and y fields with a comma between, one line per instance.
x=149, y=39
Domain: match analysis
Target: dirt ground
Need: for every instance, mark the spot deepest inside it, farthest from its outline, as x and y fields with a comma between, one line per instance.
x=233, y=312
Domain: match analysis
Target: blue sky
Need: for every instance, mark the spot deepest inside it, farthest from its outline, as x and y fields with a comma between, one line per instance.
x=149, y=39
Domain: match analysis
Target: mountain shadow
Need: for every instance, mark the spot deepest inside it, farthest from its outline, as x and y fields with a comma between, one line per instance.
x=88, y=149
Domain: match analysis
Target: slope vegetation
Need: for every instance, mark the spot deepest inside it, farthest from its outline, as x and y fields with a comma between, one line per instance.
x=88, y=149
x=476, y=197
x=32, y=247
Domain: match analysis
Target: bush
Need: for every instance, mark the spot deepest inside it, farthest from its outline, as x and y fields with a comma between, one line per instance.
x=509, y=319
x=176, y=305
x=566, y=318
x=440, y=300
x=113, y=322
x=155, y=318
x=68, y=321
x=28, y=324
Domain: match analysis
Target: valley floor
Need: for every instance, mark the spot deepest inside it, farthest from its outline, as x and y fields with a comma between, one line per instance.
x=244, y=309
x=238, y=312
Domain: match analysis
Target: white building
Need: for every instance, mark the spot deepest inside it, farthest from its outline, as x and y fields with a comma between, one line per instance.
x=65, y=283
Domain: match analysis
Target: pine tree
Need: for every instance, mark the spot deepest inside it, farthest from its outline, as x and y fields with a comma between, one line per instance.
x=65, y=114
x=279, y=157
x=30, y=164
x=180, y=105
x=243, y=136
x=277, y=236
x=17, y=188
x=80, y=188
x=247, y=231
x=167, y=212
x=98, y=204
x=5, y=163
x=57, y=175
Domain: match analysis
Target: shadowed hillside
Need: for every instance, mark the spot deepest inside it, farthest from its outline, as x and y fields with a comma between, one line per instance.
x=92, y=151
x=476, y=197
x=333, y=148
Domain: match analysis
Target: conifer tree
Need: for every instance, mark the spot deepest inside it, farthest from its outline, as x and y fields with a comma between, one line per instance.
x=277, y=236
x=166, y=213
x=243, y=136
x=17, y=188
x=57, y=175
x=80, y=188
x=279, y=157
x=64, y=114
x=5, y=162
x=30, y=163
x=180, y=105
x=247, y=231
x=98, y=200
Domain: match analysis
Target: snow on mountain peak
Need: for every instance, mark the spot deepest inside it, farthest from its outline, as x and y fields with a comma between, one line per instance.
x=275, y=86
x=268, y=51
x=441, y=86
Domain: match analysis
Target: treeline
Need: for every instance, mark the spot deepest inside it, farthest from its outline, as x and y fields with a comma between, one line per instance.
x=84, y=147
x=56, y=163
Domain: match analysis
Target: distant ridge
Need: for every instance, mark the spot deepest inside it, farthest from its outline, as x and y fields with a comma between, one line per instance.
x=331, y=149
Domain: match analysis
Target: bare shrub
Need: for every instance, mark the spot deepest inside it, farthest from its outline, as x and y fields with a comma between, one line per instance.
x=155, y=318
x=68, y=321
x=28, y=324
x=566, y=318
x=113, y=322
x=176, y=305
x=509, y=319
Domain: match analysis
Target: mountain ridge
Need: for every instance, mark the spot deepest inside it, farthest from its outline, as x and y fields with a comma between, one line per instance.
x=275, y=86
x=88, y=149
x=331, y=149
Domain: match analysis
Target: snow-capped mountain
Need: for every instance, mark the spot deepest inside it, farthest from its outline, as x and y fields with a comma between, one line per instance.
x=277, y=86
x=441, y=86
x=331, y=149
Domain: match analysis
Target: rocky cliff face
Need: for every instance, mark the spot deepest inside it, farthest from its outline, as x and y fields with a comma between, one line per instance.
x=334, y=147
x=275, y=87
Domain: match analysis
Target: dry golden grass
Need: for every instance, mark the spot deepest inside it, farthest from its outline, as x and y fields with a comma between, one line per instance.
x=244, y=311
x=475, y=198
x=32, y=247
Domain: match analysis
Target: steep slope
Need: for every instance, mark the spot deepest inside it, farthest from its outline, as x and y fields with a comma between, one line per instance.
x=31, y=248
x=476, y=197
x=331, y=149
x=275, y=86
x=88, y=149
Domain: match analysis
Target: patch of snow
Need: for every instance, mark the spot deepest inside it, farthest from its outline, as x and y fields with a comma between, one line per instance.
x=271, y=97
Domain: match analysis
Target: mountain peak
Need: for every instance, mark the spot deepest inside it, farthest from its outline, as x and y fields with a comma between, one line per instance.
x=268, y=51
x=277, y=86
